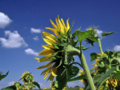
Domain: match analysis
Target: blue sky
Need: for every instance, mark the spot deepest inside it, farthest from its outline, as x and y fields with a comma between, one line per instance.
x=23, y=21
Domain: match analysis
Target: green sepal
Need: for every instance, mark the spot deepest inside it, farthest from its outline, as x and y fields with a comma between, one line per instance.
x=3, y=76
x=10, y=88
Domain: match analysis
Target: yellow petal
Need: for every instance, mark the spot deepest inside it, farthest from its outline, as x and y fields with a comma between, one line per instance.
x=47, y=73
x=46, y=52
x=51, y=29
x=68, y=26
x=48, y=46
x=61, y=26
x=53, y=71
x=90, y=28
x=44, y=59
x=53, y=24
x=45, y=66
x=51, y=77
x=48, y=35
x=48, y=41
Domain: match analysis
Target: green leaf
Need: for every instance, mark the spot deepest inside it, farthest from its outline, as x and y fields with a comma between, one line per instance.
x=105, y=76
x=3, y=76
x=36, y=84
x=117, y=76
x=107, y=33
x=93, y=56
x=10, y=88
x=83, y=35
x=83, y=47
x=94, y=38
x=118, y=54
x=83, y=76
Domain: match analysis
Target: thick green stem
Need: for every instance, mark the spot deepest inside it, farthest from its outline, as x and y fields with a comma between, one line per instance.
x=87, y=72
x=100, y=46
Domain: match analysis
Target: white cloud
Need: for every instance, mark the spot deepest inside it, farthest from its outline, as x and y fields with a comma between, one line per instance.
x=32, y=52
x=36, y=38
x=33, y=30
x=117, y=48
x=11, y=83
x=4, y=20
x=99, y=33
x=71, y=84
x=42, y=85
x=14, y=40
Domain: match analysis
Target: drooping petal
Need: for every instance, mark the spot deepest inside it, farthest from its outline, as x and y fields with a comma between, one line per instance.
x=49, y=36
x=46, y=52
x=53, y=71
x=44, y=59
x=48, y=41
x=53, y=24
x=51, y=77
x=68, y=26
x=45, y=66
x=46, y=34
x=47, y=73
x=48, y=46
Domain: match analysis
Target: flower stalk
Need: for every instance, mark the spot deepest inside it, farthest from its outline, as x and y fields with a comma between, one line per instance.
x=86, y=69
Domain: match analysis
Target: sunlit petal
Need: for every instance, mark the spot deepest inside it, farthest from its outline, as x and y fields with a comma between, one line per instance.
x=45, y=66
x=48, y=46
x=68, y=26
x=53, y=24
x=63, y=24
x=47, y=73
x=53, y=30
x=46, y=52
x=51, y=77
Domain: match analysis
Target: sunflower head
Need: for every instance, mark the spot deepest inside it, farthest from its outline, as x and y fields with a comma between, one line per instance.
x=55, y=51
x=27, y=77
x=17, y=84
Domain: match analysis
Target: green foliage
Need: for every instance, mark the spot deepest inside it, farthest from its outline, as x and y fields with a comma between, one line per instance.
x=3, y=76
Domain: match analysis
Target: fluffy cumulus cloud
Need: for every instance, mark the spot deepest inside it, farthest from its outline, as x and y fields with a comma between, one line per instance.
x=33, y=30
x=14, y=40
x=117, y=48
x=32, y=52
x=11, y=83
x=99, y=33
x=4, y=20
x=36, y=38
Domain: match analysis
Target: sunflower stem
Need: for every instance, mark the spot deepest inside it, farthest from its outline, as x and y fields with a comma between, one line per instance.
x=100, y=46
x=86, y=69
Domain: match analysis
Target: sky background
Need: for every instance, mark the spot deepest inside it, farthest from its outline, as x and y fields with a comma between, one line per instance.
x=23, y=21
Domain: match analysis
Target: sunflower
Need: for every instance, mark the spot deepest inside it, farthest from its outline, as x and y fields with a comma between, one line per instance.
x=55, y=49
x=99, y=57
x=27, y=77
